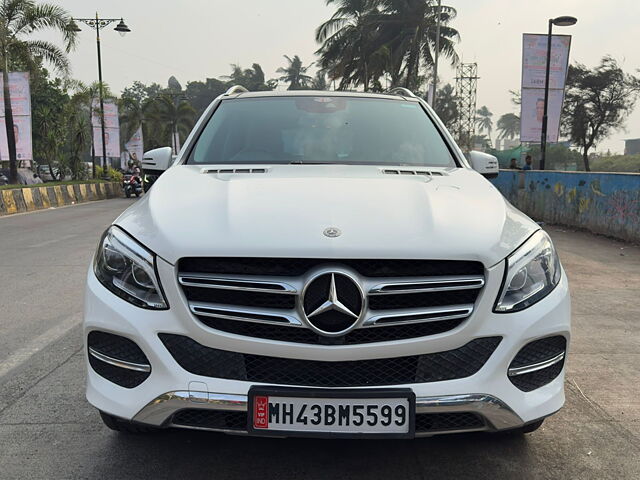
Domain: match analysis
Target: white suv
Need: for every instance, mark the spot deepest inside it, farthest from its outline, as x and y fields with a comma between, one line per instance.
x=325, y=264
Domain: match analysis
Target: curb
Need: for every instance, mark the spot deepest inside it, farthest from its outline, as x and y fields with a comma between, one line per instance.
x=20, y=200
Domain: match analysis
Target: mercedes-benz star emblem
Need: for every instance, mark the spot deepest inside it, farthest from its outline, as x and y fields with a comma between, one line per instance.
x=332, y=303
x=332, y=232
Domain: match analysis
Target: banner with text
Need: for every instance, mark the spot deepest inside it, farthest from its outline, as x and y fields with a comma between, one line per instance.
x=135, y=146
x=534, y=65
x=20, y=95
x=111, y=128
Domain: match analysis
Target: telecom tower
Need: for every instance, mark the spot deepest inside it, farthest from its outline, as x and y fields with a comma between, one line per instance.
x=466, y=85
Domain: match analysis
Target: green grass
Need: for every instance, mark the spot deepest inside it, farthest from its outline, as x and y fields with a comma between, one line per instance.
x=51, y=184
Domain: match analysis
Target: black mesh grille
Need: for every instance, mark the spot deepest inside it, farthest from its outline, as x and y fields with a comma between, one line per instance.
x=539, y=350
x=239, y=297
x=299, y=266
x=425, y=299
x=213, y=419
x=120, y=376
x=533, y=380
x=305, y=335
x=116, y=346
x=535, y=352
x=441, y=422
x=120, y=348
x=211, y=362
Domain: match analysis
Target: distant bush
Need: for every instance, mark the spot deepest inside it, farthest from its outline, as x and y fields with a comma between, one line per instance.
x=114, y=175
x=616, y=163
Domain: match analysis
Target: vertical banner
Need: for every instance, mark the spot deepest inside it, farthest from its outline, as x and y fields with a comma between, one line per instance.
x=111, y=128
x=534, y=66
x=135, y=146
x=20, y=95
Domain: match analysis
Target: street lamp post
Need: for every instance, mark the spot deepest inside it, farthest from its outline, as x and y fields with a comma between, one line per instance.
x=564, y=21
x=98, y=23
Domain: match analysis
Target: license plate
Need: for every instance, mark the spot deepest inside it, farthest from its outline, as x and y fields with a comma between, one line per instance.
x=340, y=413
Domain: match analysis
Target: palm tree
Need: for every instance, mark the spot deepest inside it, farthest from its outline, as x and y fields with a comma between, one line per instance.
x=173, y=117
x=319, y=82
x=483, y=120
x=509, y=125
x=350, y=38
x=19, y=19
x=410, y=25
x=295, y=74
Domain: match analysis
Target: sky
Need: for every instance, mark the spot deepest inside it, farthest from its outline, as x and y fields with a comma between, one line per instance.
x=196, y=39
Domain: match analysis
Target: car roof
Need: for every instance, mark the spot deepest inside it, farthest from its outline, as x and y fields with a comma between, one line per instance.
x=318, y=93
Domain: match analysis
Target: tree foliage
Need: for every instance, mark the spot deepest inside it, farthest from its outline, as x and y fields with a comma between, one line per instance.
x=508, y=126
x=597, y=103
x=295, y=73
x=19, y=21
x=367, y=39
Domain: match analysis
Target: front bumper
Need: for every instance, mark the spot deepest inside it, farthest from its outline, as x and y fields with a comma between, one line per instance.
x=170, y=389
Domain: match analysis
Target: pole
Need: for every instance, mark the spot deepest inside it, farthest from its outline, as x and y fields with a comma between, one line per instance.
x=435, y=63
x=543, y=138
x=104, y=146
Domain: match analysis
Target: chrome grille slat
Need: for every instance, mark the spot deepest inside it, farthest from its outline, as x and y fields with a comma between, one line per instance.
x=201, y=280
x=435, y=314
x=432, y=284
x=244, y=314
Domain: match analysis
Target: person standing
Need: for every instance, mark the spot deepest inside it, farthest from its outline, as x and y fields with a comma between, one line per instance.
x=514, y=164
x=527, y=163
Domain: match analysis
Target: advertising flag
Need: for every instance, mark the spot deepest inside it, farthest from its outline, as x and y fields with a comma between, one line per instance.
x=111, y=128
x=534, y=66
x=135, y=146
x=21, y=108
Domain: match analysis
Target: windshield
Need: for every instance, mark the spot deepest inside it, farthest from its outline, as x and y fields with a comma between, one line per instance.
x=343, y=130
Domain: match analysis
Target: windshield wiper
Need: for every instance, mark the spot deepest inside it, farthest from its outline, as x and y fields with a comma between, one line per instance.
x=300, y=162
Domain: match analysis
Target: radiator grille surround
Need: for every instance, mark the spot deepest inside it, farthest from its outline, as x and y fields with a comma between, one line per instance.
x=271, y=298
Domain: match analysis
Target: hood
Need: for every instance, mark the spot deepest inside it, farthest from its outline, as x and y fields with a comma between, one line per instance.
x=283, y=210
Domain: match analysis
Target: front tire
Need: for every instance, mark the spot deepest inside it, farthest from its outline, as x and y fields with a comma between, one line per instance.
x=124, y=426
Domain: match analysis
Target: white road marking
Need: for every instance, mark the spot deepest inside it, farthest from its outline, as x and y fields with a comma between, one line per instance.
x=56, y=332
x=55, y=240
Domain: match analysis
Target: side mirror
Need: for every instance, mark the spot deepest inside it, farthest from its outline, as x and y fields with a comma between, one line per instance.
x=484, y=164
x=157, y=160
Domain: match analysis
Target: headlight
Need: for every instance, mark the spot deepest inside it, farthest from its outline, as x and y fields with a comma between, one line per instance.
x=128, y=269
x=533, y=271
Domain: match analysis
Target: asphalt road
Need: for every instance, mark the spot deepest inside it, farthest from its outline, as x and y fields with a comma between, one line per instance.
x=48, y=430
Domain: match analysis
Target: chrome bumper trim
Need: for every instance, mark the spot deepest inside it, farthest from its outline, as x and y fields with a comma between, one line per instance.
x=534, y=367
x=138, y=367
x=498, y=415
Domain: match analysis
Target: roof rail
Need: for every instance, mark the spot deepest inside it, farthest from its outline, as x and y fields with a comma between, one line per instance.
x=236, y=89
x=400, y=91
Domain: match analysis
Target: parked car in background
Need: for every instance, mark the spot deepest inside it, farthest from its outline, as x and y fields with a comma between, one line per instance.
x=3, y=179
x=44, y=172
x=26, y=176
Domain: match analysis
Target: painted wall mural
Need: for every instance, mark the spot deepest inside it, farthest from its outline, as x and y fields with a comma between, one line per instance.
x=605, y=203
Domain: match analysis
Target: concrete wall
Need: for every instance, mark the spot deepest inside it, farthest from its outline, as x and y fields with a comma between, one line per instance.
x=605, y=203
x=36, y=198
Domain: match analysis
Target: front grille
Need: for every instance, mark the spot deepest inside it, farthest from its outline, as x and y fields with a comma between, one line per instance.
x=246, y=296
x=442, y=422
x=354, y=337
x=225, y=420
x=210, y=362
x=213, y=419
x=119, y=348
x=536, y=352
x=299, y=266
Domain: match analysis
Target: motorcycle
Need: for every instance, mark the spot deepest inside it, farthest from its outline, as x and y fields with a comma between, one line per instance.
x=132, y=185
